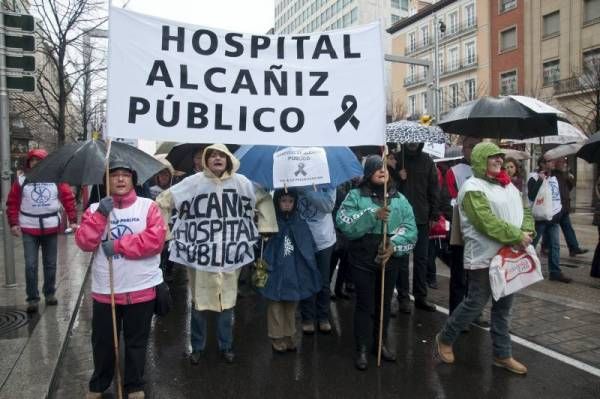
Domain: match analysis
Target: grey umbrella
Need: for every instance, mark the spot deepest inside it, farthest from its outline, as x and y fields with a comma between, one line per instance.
x=84, y=163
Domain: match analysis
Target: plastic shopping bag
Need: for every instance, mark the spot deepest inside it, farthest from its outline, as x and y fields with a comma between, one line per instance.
x=541, y=208
x=514, y=269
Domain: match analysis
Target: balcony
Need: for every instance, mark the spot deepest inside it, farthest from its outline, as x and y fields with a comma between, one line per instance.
x=575, y=84
x=456, y=66
x=451, y=33
x=415, y=79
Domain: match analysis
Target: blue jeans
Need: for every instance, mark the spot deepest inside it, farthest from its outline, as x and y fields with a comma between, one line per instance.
x=550, y=232
x=470, y=308
x=31, y=247
x=224, y=329
x=569, y=233
x=317, y=306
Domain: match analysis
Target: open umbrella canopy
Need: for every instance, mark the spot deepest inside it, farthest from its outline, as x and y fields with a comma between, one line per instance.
x=256, y=163
x=511, y=117
x=516, y=154
x=567, y=133
x=590, y=151
x=414, y=132
x=563, y=150
x=84, y=163
x=181, y=156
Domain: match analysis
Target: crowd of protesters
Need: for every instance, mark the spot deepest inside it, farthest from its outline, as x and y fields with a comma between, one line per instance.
x=461, y=212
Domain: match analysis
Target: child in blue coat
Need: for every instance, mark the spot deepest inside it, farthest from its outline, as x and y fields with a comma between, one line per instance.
x=293, y=273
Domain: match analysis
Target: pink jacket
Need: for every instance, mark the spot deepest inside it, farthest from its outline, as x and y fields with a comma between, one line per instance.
x=134, y=246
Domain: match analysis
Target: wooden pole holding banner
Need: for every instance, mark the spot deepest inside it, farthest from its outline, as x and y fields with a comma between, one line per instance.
x=384, y=235
x=112, y=285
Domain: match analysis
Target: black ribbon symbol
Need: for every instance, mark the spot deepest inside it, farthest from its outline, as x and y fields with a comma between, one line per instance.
x=300, y=170
x=348, y=114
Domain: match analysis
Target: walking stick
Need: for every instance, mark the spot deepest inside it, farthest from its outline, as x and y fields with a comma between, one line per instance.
x=384, y=234
x=112, y=286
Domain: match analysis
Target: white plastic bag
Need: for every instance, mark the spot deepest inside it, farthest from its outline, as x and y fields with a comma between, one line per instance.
x=514, y=269
x=541, y=208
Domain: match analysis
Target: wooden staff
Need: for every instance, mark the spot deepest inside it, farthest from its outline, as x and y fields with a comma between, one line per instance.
x=112, y=285
x=384, y=235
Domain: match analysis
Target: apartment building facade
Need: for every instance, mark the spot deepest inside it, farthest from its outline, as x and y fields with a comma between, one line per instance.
x=463, y=29
x=507, y=47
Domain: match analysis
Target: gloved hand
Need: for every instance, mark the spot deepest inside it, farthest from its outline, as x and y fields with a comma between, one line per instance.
x=384, y=255
x=108, y=247
x=106, y=205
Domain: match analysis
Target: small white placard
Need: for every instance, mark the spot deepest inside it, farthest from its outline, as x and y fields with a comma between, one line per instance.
x=300, y=166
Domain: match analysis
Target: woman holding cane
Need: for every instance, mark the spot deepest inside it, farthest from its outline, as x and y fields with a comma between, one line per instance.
x=361, y=218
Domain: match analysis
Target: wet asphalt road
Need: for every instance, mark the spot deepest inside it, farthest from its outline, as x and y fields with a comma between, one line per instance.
x=323, y=366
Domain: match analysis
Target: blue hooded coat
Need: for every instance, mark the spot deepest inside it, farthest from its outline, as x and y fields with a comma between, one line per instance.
x=290, y=254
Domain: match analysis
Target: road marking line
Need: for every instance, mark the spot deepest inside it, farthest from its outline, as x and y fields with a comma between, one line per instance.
x=543, y=350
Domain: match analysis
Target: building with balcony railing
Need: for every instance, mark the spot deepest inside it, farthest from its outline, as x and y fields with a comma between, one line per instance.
x=464, y=57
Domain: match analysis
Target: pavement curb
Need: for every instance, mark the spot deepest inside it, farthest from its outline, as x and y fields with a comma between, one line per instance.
x=65, y=343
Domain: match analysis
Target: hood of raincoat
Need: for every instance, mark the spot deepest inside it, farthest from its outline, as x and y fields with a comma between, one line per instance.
x=479, y=157
x=233, y=164
x=36, y=153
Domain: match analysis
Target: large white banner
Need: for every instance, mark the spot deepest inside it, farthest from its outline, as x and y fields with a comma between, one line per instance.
x=178, y=82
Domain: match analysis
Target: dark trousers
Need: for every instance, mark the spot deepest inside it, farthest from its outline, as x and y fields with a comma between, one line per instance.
x=595, y=271
x=458, y=277
x=134, y=320
x=31, y=249
x=431, y=255
x=317, y=306
x=367, y=287
x=340, y=255
x=420, y=255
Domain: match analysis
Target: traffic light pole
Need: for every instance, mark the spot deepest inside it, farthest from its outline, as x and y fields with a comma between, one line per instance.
x=9, y=255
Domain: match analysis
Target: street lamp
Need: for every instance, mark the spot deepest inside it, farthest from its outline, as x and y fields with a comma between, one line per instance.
x=436, y=89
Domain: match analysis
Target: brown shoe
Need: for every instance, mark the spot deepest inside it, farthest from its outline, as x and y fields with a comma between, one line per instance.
x=442, y=351
x=511, y=365
x=93, y=395
x=278, y=345
x=136, y=395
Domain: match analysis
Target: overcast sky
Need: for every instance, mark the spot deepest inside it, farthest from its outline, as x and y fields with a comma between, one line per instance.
x=248, y=16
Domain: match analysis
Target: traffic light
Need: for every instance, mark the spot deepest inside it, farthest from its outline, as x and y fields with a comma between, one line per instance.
x=19, y=56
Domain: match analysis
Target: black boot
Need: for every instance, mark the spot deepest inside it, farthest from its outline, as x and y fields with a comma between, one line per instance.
x=361, y=362
x=386, y=354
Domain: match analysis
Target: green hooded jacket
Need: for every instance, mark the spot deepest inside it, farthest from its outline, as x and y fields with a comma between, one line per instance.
x=477, y=208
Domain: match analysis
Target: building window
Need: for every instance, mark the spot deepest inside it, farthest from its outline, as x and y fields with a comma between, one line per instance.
x=551, y=24
x=591, y=61
x=412, y=41
x=508, y=39
x=453, y=25
x=395, y=18
x=354, y=14
x=395, y=3
x=470, y=57
x=424, y=102
x=453, y=59
x=551, y=72
x=506, y=5
x=470, y=15
x=412, y=105
x=441, y=63
x=454, y=95
x=470, y=89
x=425, y=35
x=508, y=83
x=591, y=10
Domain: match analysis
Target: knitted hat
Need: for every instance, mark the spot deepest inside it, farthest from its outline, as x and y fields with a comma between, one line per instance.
x=372, y=163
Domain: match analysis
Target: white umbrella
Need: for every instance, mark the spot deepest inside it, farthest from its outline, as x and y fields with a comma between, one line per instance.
x=516, y=154
x=567, y=133
x=563, y=150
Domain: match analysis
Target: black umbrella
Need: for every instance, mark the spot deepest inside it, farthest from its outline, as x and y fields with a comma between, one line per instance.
x=510, y=117
x=181, y=156
x=84, y=163
x=591, y=149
